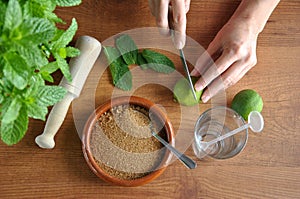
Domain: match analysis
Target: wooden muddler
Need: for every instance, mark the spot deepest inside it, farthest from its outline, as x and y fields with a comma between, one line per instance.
x=80, y=67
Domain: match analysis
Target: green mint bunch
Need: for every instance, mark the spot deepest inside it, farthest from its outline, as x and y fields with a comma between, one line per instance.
x=29, y=38
x=125, y=54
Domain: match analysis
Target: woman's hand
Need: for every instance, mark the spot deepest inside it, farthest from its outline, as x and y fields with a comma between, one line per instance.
x=235, y=49
x=171, y=14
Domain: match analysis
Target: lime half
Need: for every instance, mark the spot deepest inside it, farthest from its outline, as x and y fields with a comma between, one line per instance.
x=183, y=93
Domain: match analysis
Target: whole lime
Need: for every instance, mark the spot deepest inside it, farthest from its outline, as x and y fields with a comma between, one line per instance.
x=246, y=101
x=183, y=93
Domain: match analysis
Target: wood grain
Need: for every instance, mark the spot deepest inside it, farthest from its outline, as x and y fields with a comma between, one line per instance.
x=269, y=167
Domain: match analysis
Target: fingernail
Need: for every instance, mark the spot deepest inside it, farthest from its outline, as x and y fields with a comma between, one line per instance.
x=179, y=44
x=198, y=87
x=179, y=40
x=205, y=98
x=194, y=72
x=164, y=31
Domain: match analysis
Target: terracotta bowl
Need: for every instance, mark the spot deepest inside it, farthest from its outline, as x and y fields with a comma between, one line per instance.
x=133, y=100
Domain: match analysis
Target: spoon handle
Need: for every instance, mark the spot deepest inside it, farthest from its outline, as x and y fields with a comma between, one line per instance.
x=231, y=133
x=188, y=162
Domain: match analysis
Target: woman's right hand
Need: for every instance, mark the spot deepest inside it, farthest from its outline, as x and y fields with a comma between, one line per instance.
x=171, y=14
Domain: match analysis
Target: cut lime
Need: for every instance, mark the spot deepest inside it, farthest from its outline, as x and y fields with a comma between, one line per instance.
x=183, y=93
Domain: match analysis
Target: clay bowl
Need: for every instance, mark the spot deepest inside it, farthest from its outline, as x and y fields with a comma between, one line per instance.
x=90, y=124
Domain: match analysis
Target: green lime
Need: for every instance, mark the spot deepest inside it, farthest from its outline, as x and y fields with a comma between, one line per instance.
x=246, y=101
x=183, y=93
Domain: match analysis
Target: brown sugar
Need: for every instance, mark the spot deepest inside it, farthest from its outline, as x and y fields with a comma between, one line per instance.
x=122, y=143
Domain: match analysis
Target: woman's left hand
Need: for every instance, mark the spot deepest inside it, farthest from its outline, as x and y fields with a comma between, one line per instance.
x=235, y=48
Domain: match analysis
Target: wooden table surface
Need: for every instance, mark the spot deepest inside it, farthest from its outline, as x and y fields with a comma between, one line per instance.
x=269, y=166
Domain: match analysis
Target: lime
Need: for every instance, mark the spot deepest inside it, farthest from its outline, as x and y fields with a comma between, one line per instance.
x=246, y=101
x=183, y=93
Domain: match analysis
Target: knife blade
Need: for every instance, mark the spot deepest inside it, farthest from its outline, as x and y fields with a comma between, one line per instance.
x=187, y=73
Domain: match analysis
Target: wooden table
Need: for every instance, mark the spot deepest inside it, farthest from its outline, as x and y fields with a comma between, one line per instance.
x=269, y=166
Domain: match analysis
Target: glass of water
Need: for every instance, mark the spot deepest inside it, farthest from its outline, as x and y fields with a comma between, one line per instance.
x=213, y=123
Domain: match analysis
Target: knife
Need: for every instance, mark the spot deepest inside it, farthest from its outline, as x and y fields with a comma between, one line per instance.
x=187, y=73
x=182, y=57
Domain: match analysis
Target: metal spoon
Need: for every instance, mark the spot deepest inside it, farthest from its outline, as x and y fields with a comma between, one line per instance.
x=187, y=161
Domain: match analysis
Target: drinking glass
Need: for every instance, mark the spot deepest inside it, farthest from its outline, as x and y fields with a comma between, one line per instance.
x=213, y=123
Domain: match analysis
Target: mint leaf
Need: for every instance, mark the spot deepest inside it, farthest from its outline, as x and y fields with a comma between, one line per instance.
x=50, y=67
x=49, y=95
x=66, y=37
x=120, y=73
x=62, y=53
x=41, y=9
x=34, y=8
x=36, y=31
x=32, y=55
x=64, y=67
x=72, y=52
x=31, y=91
x=11, y=133
x=36, y=111
x=68, y=52
x=58, y=34
x=13, y=15
x=127, y=48
x=12, y=112
x=158, y=61
x=68, y=2
x=112, y=55
x=45, y=96
x=141, y=61
x=46, y=71
x=53, y=17
x=123, y=79
x=47, y=76
x=16, y=70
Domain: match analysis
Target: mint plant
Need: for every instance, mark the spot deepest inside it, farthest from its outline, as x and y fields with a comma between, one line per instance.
x=31, y=49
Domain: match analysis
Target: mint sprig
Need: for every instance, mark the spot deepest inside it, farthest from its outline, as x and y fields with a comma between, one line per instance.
x=126, y=53
x=29, y=38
